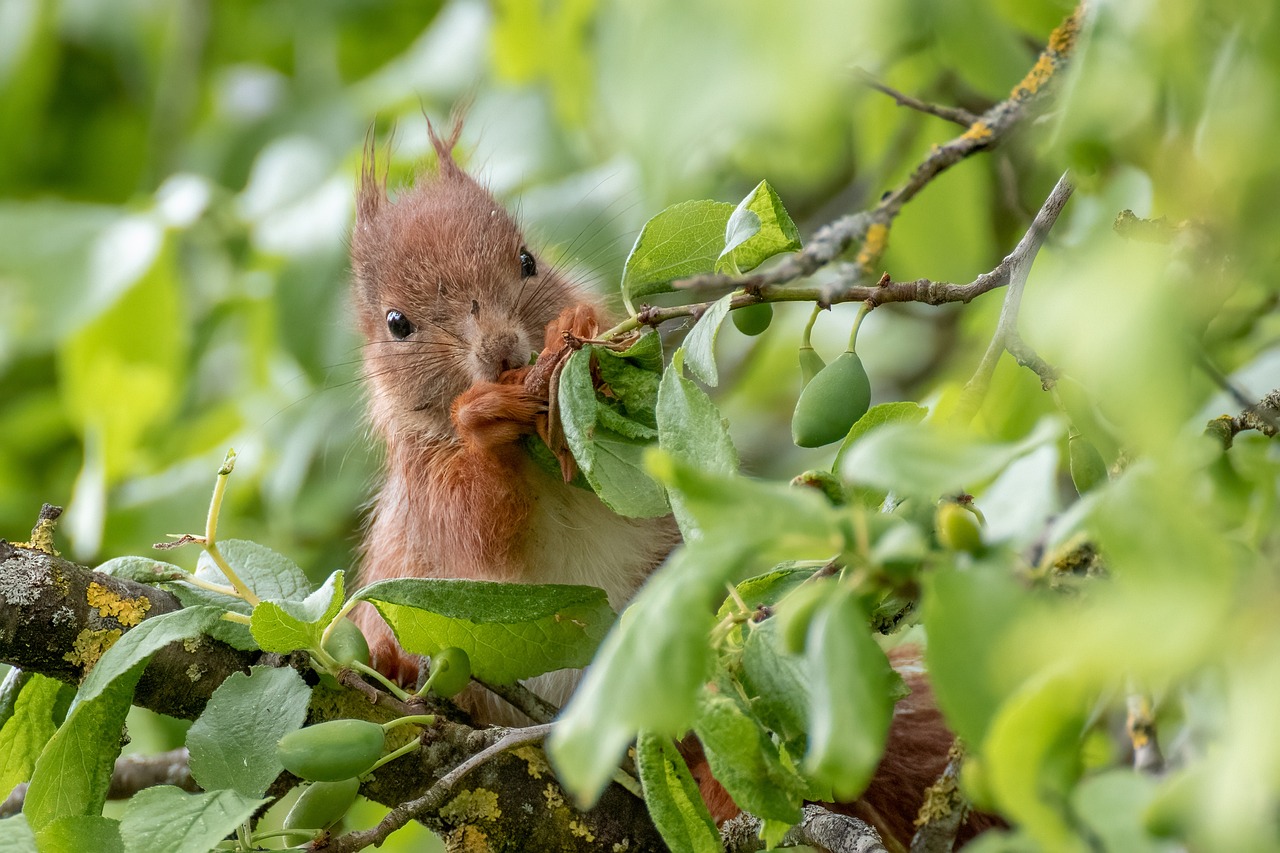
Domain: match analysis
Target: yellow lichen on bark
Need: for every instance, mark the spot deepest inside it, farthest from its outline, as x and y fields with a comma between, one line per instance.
x=1036, y=78
x=581, y=830
x=552, y=795
x=979, y=131
x=1062, y=41
x=90, y=644
x=469, y=839
x=536, y=761
x=112, y=605
x=472, y=806
x=873, y=245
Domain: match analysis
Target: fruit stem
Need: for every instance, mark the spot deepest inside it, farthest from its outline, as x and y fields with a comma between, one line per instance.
x=857, y=324
x=382, y=679
x=419, y=719
x=808, y=328
x=411, y=746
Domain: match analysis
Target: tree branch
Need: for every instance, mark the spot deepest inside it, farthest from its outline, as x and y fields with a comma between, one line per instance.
x=509, y=797
x=1016, y=267
x=818, y=827
x=871, y=226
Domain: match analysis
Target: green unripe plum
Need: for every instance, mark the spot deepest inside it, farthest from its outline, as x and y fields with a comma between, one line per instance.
x=322, y=804
x=753, y=319
x=811, y=365
x=1087, y=467
x=824, y=481
x=957, y=528
x=832, y=403
x=450, y=672
x=347, y=644
x=332, y=751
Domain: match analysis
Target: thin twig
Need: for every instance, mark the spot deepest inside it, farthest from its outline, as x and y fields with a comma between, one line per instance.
x=524, y=700
x=435, y=796
x=1015, y=268
x=957, y=115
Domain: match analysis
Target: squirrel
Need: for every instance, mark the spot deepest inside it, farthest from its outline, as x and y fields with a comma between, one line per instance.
x=452, y=303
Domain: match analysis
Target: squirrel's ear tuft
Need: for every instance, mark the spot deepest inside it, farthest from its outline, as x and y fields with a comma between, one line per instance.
x=371, y=191
x=444, y=147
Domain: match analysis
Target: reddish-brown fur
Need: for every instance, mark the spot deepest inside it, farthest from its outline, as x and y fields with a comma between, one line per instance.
x=460, y=499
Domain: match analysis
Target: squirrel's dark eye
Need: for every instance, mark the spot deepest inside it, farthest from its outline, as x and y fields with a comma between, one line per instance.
x=527, y=266
x=399, y=325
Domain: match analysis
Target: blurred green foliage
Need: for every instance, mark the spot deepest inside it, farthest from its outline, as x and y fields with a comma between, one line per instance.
x=176, y=189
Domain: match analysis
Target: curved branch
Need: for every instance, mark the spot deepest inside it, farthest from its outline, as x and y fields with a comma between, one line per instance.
x=818, y=827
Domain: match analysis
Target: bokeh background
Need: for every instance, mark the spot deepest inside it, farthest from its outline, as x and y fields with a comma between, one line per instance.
x=176, y=190
x=177, y=182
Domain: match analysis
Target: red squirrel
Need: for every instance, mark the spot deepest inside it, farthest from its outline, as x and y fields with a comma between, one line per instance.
x=452, y=303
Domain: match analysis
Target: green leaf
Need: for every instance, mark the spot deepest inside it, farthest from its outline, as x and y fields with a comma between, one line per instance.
x=16, y=836
x=876, y=416
x=645, y=353
x=1113, y=804
x=139, y=643
x=851, y=696
x=744, y=759
x=611, y=462
x=926, y=459
x=233, y=743
x=74, y=770
x=631, y=377
x=649, y=669
x=967, y=614
x=691, y=429
x=510, y=631
x=168, y=819
x=758, y=229
x=673, y=798
x=778, y=683
x=768, y=588
x=27, y=731
x=778, y=521
x=1032, y=754
x=282, y=626
x=683, y=240
x=266, y=572
x=700, y=345
x=79, y=833
x=141, y=570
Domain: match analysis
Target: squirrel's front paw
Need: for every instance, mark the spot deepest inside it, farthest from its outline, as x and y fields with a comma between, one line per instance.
x=578, y=320
x=491, y=414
